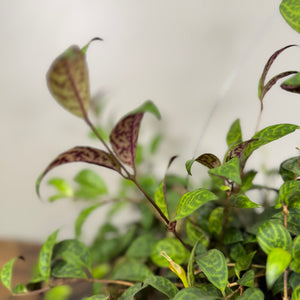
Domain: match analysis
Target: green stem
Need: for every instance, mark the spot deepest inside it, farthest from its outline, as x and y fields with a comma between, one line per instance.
x=226, y=214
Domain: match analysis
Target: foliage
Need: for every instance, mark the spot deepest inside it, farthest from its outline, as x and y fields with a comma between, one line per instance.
x=213, y=240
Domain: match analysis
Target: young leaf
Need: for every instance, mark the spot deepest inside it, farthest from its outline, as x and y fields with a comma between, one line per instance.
x=292, y=84
x=247, y=279
x=68, y=81
x=213, y=265
x=62, y=269
x=242, y=201
x=82, y=217
x=290, y=10
x=273, y=235
x=277, y=261
x=252, y=294
x=194, y=293
x=230, y=170
x=268, y=135
x=191, y=201
x=148, y=106
x=6, y=273
x=239, y=149
x=74, y=252
x=81, y=154
x=234, y=135
x=171, y=246
x=63, y=188
x=45, y=256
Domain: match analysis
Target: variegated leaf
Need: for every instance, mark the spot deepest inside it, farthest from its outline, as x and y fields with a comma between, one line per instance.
x=82, y=154
x=68, y=81
x=239, y=149
x=209, y=160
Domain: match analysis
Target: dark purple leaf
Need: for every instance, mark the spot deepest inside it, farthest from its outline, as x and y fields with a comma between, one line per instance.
x=239, y=149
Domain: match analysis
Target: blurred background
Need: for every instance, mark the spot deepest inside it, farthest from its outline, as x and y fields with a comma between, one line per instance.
x=199, y=61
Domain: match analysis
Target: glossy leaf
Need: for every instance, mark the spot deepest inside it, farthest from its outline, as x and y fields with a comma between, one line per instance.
x=194, y=293
x=215, y=220
x=229, y=170
x=290, y=10
x=273, y=235
x=191, y=201
x=68, y=81
x=62, y=269
x=131, y=270
x=171, y=246
x=242, y=201
x=6, y=273
x=82, y=218
x=91, y=185
x=268, y=135
x=141, y=246
x=81, y=154
x=289, y=193
x=252, y=294
x=213, y=265
x=45, y=257
x=277, y=261
x=247, y=279
x=234, y=135
x=74, y=252
x=290, y=168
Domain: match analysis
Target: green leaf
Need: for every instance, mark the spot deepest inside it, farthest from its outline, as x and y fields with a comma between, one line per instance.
x=131, y=270
x=296, y=293
x=273, y=235
x=62, y=269
x=163, y=285
x=196, y=234
x=242, y=201
x=290, y=168
x=247, y=279
x=174, y=249
x=277, y=261
x=295, y=264
x=209, y=160
x=247, y=180
x=191, y=201
x=68, y=81
x=243, y=262
x=156, y=141
x=213, y=265
x=81, y=154
x=44, y=263
x=234, y=135
x=293, y=220
x=62, y=292
x=236, y=251
x=132, y=291
x=215, y=221
x=289, y=193
x=82, y=218
x=148, y=106
x=6, y=273
x=20, y=289
x=229, y=170
x=188, y=165
x=190, y=268
x=85, y=48
x=294, y=280
x=290, y=10
x=238, y=150
x=267, y=135
x=74, y=252
x=141, y=246
x=232, y=236
x=252, y=294
x=97, y=297
x=90, y=183
x=193, y=293
x=63, y=188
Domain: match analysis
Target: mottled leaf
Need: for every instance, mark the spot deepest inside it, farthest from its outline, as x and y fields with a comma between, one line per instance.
x=196, y=234
x=292, y=84
x=229, y=170
x=74, y=252
x=19, y=289
x=247, y=180
x=213, y=265
x=242, y=201
x=273, y=235
x=191, y=201
x=232, y=236
x=239, y=149
x=247, y=279
x=234, y=135
x=68, y=81
x=277, y=261
x=237, y=250
x=296, y=293
x=131, y=270
x=293, y=220
x=215, y=221
x=290, y=10
x=81, y=154
x=163, y=285
x=295, y=264
x=91, y=185
x=171, y=246
x=252, y=294
x=243, y=262
x=45, y=256
x=82, y=217
x=289, y=193
x=209, y=160
x=6, y=273
x=194, y=293
x=290, y=168
x=97, y=297
x=141, y=246
x=62, y=269
x=268, y=135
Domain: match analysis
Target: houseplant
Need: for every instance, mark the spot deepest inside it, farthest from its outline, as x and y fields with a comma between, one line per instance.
x=211, y=238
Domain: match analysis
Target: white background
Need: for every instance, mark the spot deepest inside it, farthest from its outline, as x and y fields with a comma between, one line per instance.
x=190, y=57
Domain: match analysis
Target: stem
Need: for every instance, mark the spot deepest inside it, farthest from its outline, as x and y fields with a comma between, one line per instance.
x=227, y=214
x=286, y=272
x=259, y=116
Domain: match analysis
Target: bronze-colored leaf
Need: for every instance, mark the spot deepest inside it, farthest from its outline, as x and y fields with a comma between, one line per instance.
x=82, y=154
x=123, y=138
x=68, y=81
x=209, y=160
